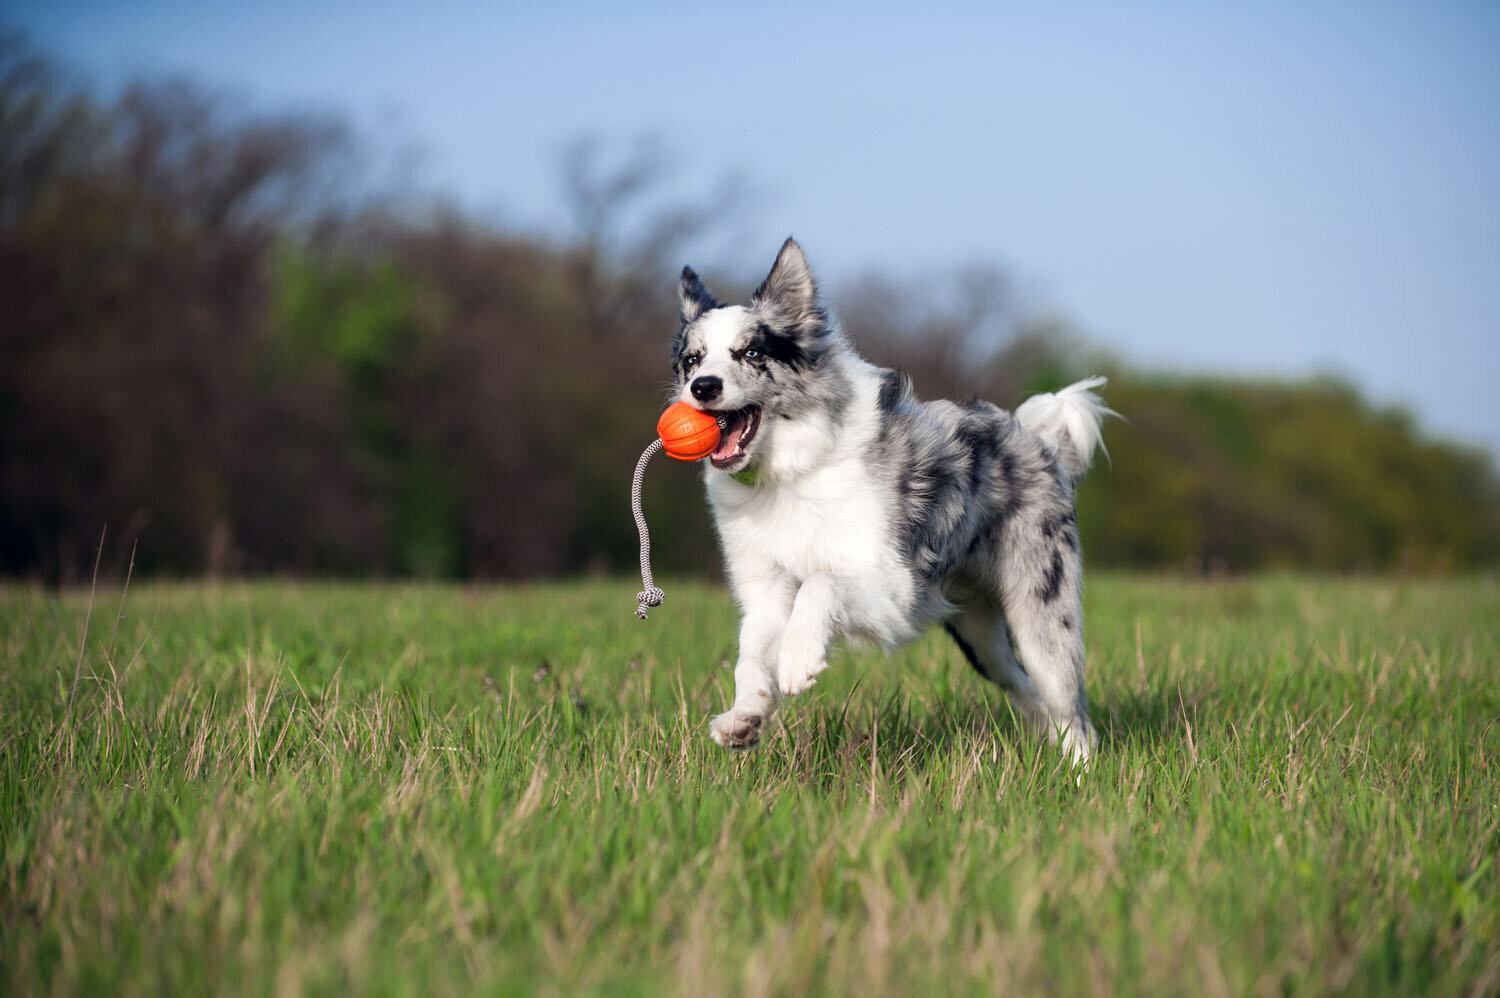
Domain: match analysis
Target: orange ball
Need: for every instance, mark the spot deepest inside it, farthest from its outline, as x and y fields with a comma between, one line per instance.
x=689, y=434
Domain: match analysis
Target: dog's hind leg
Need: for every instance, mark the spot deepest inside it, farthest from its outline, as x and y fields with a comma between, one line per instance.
x=981, y=634
x=1042, y=595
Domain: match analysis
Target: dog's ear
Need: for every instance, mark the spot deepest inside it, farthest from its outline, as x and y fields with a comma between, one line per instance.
x=789, y=292
x=694, y=296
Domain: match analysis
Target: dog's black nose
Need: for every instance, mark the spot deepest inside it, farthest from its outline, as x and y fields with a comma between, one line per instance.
x=707, y=388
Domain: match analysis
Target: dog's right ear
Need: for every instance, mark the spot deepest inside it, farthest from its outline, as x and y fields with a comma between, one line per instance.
x=694, y=296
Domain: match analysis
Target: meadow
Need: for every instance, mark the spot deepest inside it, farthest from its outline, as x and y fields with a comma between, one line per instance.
x=283, y=787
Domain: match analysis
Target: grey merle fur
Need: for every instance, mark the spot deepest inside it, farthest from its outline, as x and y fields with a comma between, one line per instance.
x=987, y=522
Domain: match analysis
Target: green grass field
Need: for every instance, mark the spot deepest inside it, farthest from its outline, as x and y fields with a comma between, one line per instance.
x=288, y=788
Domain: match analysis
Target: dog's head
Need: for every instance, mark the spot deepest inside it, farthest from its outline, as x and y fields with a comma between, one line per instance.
x=754, y=365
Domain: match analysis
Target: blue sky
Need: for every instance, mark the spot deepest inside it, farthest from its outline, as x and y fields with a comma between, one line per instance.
x=1265, y=188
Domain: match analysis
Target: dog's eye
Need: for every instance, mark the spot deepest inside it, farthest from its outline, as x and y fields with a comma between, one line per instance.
x=690, y=361
x=751, y=354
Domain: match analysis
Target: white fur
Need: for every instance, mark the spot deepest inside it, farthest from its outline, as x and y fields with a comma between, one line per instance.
x=818, y=510
x=1074, y=411
x=720, y=328
x=808, y=553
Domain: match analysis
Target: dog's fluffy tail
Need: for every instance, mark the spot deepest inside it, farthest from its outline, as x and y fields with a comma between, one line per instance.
x=1068, y=421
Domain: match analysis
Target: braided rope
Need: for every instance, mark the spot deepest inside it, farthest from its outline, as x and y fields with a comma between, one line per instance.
x=651, y=596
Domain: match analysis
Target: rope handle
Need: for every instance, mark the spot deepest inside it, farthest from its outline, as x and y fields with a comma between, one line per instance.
x=650, y=596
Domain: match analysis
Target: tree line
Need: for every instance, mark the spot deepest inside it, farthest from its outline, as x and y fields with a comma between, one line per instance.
x=222, y=341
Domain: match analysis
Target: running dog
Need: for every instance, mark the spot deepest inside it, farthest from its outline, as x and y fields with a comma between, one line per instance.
x=845, y=505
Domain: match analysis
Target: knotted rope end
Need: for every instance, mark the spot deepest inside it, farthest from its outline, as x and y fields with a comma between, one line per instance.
x=650, y=597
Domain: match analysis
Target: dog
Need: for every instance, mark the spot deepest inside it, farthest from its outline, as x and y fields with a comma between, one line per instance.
x=844, y=505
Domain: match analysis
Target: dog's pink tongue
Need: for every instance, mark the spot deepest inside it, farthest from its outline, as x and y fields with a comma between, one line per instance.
x=729, y=441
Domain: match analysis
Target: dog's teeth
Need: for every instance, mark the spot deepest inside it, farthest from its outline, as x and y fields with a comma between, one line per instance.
x=723, y=423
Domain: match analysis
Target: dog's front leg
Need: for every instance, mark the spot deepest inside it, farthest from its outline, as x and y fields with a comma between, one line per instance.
x=804, y=646
x=755, y=685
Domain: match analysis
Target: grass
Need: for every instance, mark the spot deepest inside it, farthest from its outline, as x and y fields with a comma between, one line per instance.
x=286, y=787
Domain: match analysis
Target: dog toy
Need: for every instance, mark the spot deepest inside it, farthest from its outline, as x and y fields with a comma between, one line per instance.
x=686, y=434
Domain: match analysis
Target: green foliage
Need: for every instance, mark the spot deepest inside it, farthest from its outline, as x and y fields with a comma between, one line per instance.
x=511, y=790
x=1218, y=474
x=368, y=320
x=368, y=330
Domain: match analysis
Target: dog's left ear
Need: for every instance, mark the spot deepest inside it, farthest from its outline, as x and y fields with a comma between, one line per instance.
x=693, y=296
x=789, y=291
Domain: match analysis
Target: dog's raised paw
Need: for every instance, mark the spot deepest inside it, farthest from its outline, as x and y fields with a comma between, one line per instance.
x=791, y=686
x=737, y=729
x=793, y=678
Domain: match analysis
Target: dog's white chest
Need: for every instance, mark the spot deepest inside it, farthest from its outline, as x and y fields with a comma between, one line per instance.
x=835, y=520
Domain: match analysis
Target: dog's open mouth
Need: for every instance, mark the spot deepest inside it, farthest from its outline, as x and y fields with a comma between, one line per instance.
x=736, y=430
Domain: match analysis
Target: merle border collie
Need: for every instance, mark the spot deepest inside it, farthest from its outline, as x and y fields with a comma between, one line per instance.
x=847, y=506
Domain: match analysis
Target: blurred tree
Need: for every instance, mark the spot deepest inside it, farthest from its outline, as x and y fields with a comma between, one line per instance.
x=363, y=334
x=215, y=343
x=1221, y=475
x=131, y=264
